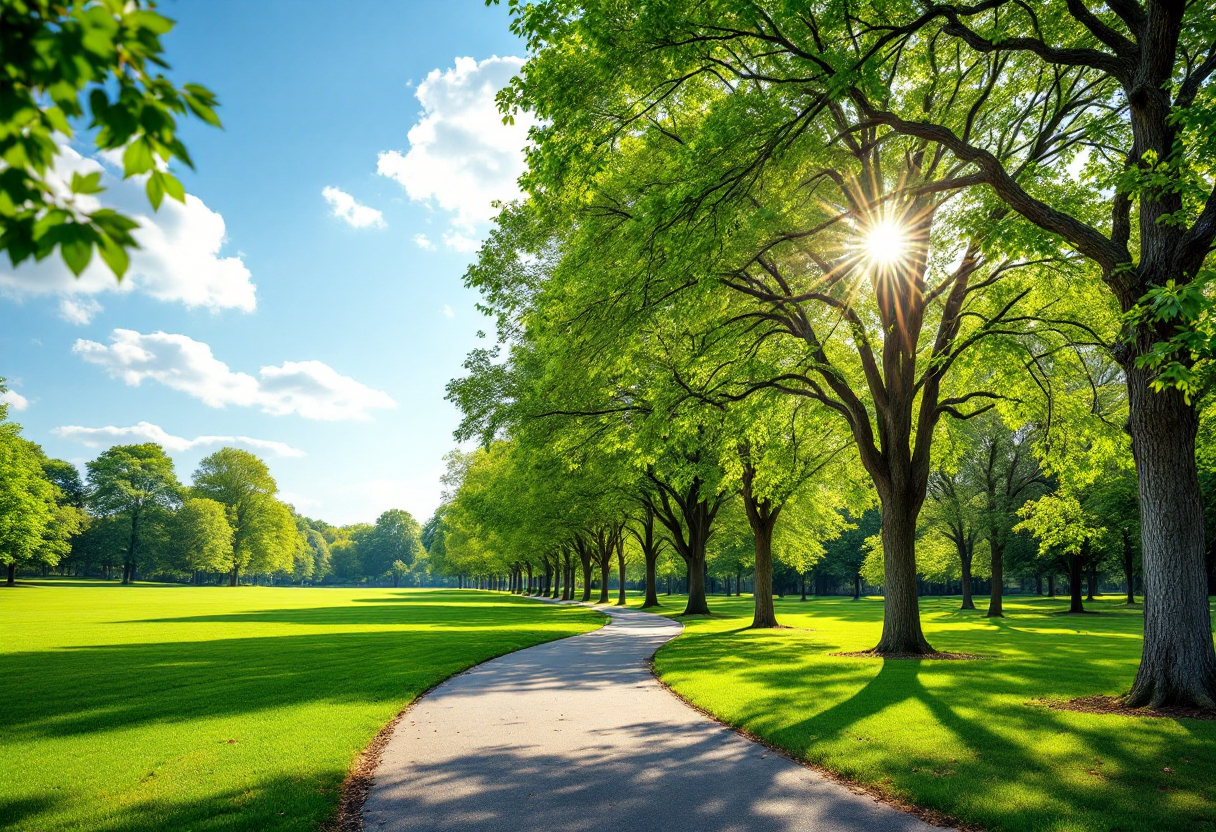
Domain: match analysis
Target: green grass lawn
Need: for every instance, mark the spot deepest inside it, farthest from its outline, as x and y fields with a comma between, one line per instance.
x=189, y=709
x=958, y=737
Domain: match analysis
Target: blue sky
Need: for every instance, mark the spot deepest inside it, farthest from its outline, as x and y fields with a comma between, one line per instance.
x=308, y=302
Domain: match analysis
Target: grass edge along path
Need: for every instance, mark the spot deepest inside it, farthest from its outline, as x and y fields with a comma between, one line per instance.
x=962, y=741
x=223, y=710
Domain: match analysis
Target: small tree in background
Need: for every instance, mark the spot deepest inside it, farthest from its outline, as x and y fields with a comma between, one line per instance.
x=133, y=482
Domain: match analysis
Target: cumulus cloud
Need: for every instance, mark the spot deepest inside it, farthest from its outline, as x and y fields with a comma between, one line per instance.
x=461, y=156
x=14, y=400
x=178, y=261
x=148, y=432
x=78, y=311
x=355, y=213
x=311, y=389
x=424, y=242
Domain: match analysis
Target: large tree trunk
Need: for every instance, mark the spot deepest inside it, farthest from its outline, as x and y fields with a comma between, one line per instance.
x=1178, y=665
x=996, y=598
x=232, y=576
x=12, y=574
x=901, y=631
x=697, y=603
x=965, y=554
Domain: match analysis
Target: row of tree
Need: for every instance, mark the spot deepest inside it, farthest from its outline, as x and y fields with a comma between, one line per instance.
x=949, y=261
x=130, y=513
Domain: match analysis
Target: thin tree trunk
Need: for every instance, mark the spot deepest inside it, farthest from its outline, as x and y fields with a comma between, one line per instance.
x=128, y=568
x=586, y=558
x=996, y=596
x=857, y=587
x=605, y=573
x=652, y=595
x=1051, y=585
x=965, y=554
x=762, y=517
x=1075, y=579
x=802, y=579
x=620, y=571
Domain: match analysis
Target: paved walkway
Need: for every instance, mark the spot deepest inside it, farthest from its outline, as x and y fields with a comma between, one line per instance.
x=577, y=735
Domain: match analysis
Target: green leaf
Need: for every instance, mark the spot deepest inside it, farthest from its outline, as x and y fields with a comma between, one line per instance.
x=77, y=252
x=156, y=189
x=114, y=256
x=87, y=184
x=137, y=158
x=173, y=187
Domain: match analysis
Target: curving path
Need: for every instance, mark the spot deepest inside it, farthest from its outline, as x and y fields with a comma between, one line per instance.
x=577, y=735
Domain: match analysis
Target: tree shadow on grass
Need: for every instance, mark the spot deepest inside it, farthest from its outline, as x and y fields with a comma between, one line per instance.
x=423, y=611
x=13, y=810
x=1002, y=765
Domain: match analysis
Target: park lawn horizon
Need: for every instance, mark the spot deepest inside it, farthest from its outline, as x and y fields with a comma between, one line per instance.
x=156, y=707
x=967, y=739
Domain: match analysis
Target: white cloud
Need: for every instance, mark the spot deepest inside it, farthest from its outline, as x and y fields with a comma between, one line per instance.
x=298, y=500
x=14, y=400
x=448, y=313
x=178, y=260
x=78, y=311
x=356, y=214
x=311, y=389
x=424, y=242
x=460, y=242
x=148, y=432
x=461, y=156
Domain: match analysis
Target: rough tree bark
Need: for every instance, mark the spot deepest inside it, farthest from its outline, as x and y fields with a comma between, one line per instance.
x=1178, y=665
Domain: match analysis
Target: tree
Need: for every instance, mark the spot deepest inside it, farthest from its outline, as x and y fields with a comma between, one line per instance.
x=1148, y=172
x=394, y=539
x=766, y=219
x=265, y=538
x=133, y=482
x=27, y=501
x=57, y=57
x=200, y=536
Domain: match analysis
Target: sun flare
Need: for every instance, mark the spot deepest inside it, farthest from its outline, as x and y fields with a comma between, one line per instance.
x=884, y=243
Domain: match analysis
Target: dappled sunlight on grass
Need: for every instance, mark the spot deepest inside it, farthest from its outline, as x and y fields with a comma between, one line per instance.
x=961, y=737
x=213, y=708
